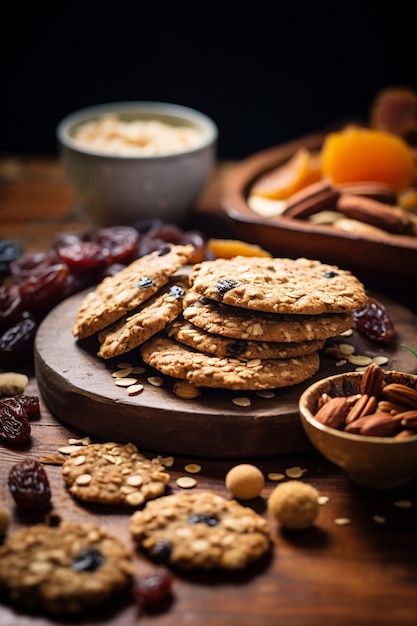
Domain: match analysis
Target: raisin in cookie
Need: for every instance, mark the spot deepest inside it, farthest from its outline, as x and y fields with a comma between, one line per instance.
x=141, y=324
x=200, y=530
x=238, y=323
x=202, y=370
x=113, y=473
x=295, y=286
x=219, y=346
x=129, y=288
x=63, y=569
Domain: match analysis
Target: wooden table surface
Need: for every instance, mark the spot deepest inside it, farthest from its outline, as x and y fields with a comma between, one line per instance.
x=361, y=573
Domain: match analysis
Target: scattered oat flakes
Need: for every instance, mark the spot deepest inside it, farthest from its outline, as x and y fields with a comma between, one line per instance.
x=125, y=382
x=323, y=499
x=380, y=360
x=52, y=459
x=241, y=401
x=359, y=359
x=275, y=476
x=346, y=348
x=122, y=373
x=166, y=461
x=186, y=482
x=85, y=441
x=295, y=472
x=193, y=468
x=342, y=521
x=265, y=393
x=156, y=381
x=68, y=449
x=378, y=519
x=403, y=504
x=341, y=362
x=133, y=390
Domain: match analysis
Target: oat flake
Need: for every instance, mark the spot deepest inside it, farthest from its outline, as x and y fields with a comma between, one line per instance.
x=241, y=401
x=125, y=382
x=275, y=476
x=186, y=482
x=156, y=381
x=295, y=472
x=378, y=519
x=342, y=521
x=193, y=468
x=403, y=504
x=323, y=499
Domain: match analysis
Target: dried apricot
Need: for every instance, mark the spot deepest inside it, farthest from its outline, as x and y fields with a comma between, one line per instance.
x=229, y=248
x=359, y=154
x=300, y=170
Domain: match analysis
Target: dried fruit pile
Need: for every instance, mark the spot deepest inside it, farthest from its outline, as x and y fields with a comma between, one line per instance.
x=34, y=283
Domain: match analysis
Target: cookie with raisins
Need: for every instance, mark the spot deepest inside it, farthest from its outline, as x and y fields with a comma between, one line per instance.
x=116, y=295
x=179, y=361
x=200, y=530
x=64, y=569
x=279, y=285
x=238, y=323
x=186, y=333
x=145, y=321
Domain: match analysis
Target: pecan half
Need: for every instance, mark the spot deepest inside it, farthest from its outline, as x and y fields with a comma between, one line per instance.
x=376, y=425
x=372, y=380
x=390, y=218
x=333, y=412
x=400, y=394
x=408, y=419
x=375, y=191
x=364, y=406
x=312, y=199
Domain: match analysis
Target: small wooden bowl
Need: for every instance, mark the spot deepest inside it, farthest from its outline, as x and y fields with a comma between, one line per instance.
x=373, y=462
x=385, y=261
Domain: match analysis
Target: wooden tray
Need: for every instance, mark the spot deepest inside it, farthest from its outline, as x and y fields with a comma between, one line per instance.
x=78, y=388
x=381, y=261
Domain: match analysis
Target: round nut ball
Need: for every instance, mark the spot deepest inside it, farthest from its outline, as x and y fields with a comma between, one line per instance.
x=294, y=504
x=245, y=481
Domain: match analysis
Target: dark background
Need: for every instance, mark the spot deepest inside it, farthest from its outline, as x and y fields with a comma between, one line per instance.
x=266, y=72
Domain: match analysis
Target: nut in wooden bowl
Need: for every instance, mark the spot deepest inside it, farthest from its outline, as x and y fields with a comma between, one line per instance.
x=368, y=435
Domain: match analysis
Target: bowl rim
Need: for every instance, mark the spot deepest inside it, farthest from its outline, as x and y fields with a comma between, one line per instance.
x=307, y=416
x=163, y=109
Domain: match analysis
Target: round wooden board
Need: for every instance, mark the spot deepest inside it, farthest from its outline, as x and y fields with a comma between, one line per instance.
x=79, y=390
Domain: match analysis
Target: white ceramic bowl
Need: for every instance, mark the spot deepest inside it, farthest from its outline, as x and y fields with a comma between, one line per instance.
x=373, y=462
x=113, y=189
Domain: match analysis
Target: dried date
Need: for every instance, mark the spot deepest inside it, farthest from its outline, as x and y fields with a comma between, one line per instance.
x=29, y=485
x=14, y=424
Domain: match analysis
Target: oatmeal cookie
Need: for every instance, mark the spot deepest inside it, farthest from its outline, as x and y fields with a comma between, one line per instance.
x=144, y=322
x=200, y=530
x=216, y=345
x=202, y=370
x=238, y=323
x=113, y=473
x=63, y=569
x=286, y=286
x=117, y=295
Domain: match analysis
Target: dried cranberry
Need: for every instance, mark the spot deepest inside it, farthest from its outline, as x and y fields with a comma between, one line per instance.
x=88, y=560
x=121, y=242
x=84, y=256
x=16, y=343
x=374, y=322
x=14, y=424
x=152, y=590
x=29, y=485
